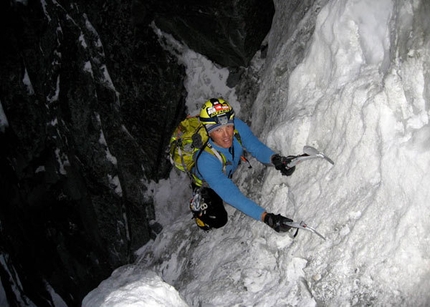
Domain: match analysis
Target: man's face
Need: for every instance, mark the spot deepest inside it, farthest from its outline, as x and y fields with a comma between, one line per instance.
x=223, y=136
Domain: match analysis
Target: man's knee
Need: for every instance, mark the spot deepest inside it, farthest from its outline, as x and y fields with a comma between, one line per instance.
x=213, y=213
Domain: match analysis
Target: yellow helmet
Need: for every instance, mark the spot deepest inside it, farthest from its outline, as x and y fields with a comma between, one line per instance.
x=216, y=112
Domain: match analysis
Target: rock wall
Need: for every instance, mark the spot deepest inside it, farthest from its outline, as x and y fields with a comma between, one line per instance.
x=228, y=32
x=88, y=102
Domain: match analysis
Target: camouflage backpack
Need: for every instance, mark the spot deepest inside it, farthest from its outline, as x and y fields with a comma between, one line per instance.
x=188, y=138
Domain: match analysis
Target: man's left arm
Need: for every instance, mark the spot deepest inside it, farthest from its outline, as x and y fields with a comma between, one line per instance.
x=252, y=144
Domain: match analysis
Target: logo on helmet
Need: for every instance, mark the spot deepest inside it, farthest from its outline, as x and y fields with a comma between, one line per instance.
x=217, y=109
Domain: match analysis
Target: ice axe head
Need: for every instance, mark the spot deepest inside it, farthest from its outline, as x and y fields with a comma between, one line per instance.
x=311, y=151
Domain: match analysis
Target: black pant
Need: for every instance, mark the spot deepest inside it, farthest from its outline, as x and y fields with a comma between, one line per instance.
x=213, y=213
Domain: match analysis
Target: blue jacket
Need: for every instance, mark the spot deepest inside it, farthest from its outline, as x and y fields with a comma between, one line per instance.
x=210, y=169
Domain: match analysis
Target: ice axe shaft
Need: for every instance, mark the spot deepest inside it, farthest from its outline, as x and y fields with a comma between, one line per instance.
x=303, y=225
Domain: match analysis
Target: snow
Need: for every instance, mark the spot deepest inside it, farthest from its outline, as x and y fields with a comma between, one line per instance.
x=102, y=140
x=63, y=161
x=359, y=95
x=54, y=97
x=210, y=79
x=211, y=82
x=3, y=119
x=24, y=2
x=26, y=80
x=115, y=184
x=88, y=68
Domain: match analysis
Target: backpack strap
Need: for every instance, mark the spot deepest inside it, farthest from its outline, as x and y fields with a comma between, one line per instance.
x=220, y=156
x=243, y=157
x=210, y=149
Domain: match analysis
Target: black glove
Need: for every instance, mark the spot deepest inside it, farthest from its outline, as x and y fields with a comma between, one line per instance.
x=281, y=163
x=277, y=222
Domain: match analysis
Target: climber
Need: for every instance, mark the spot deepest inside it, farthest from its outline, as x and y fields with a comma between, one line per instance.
x=228, y=136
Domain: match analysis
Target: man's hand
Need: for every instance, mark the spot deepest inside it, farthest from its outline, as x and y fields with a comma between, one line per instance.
x=281, y=164
x=277, y=222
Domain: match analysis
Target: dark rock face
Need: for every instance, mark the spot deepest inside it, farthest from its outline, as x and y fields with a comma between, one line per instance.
x=227, y=32
x=86, y=122
x=91, y=99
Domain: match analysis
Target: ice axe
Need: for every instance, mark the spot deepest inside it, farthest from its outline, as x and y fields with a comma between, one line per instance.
x=303, y=225
x=309, y=153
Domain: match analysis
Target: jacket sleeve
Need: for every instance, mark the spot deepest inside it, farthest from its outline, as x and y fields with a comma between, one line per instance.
x=252, y=144
x=210, y=169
